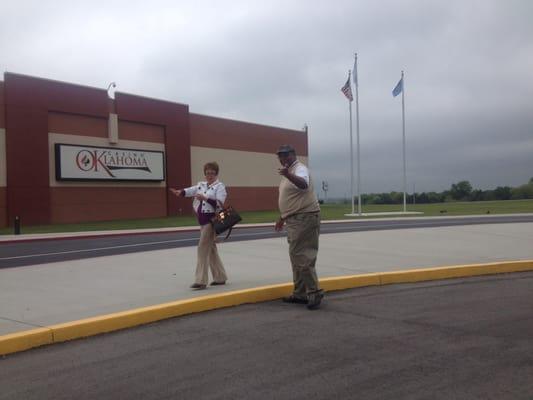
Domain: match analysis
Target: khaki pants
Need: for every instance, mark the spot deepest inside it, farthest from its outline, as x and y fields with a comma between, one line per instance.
x=302, y=234
x=208, y=257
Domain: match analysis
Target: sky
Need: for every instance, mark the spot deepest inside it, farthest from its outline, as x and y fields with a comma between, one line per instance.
x=468, y=75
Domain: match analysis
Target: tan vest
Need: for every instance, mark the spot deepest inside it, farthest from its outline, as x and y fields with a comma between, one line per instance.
x=293, y=200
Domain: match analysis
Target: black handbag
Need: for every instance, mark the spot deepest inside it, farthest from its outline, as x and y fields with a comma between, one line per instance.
x=224, y=220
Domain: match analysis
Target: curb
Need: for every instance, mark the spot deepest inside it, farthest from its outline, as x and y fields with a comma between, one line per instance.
x=41, y=237
x=25, y=340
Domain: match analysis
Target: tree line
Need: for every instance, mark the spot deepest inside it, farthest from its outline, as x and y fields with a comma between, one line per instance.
x=460, y=191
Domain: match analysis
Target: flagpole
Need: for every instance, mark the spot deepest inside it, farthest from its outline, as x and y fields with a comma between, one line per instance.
x=356, y=82
x=403, y=146
x=351, y=153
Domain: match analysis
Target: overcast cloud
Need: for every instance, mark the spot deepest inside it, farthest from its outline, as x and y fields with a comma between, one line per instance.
x=468, y=74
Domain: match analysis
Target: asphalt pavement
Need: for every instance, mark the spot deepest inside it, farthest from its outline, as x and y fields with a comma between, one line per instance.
x=41, y=295
x=22, y=250
x=452, y=339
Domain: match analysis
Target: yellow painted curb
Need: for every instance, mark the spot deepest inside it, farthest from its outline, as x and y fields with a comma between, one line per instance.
x=111, y=322
x=457, y=271
x=145, y=315
x=349, y=282
x=25, y=340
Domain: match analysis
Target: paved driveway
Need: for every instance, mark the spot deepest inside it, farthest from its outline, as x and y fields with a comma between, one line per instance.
x=451, y=339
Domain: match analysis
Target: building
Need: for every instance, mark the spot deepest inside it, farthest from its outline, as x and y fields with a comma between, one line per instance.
x=70, y=153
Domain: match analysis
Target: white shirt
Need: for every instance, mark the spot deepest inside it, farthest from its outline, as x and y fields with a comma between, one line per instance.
x=301, y=171
x=216, y=191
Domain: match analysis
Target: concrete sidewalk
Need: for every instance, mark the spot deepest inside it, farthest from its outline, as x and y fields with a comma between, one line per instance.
x=48, y=294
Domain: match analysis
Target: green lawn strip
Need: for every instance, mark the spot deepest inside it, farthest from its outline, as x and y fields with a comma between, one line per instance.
x=337, y=211
x=329, y=212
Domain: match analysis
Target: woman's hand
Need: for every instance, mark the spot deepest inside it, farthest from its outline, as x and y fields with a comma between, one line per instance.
x=175, y=192
x=201, y=196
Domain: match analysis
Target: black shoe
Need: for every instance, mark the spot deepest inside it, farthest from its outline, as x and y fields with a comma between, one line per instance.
x=214, y=283
x=197, y=286
x=315, y=299
x=295, y=299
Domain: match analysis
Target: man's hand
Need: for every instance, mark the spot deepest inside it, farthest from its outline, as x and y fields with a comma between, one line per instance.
x=284, y=171
x=279, y=224
x=299, y=182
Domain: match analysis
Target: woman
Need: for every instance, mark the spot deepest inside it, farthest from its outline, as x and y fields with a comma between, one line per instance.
x=209, y=196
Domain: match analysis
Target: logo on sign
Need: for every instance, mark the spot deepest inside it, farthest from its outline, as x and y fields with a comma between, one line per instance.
x=110, y=160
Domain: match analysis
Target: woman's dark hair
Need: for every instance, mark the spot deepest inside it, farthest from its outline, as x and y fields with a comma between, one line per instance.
x=212, y=165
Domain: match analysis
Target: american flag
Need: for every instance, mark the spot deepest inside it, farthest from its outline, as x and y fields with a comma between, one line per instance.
x=347, y=89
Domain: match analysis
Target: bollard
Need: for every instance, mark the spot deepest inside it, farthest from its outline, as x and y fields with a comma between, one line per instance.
x=17, y=225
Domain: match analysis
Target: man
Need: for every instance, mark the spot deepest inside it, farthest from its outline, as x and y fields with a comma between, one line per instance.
x=300, y=212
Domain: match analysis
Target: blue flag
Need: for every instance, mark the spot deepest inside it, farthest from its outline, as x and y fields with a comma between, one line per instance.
x=398, y=89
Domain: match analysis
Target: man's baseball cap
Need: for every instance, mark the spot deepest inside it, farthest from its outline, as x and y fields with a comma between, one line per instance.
x=285, y=148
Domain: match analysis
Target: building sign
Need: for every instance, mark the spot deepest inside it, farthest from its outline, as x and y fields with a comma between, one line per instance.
x=76, y=163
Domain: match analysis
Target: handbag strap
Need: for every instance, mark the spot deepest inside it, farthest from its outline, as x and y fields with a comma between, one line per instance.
x=221, y=205
x=226, y=238
x=227, y=234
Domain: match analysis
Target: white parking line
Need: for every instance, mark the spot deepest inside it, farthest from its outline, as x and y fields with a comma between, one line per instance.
x=114, y=247
x=96, y=249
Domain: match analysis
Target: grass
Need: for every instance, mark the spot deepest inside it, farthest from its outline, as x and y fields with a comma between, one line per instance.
x=337, y=211
x=329, y=212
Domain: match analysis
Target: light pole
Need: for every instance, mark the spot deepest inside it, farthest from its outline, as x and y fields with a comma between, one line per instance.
x=111, y=85
x=325, y=189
